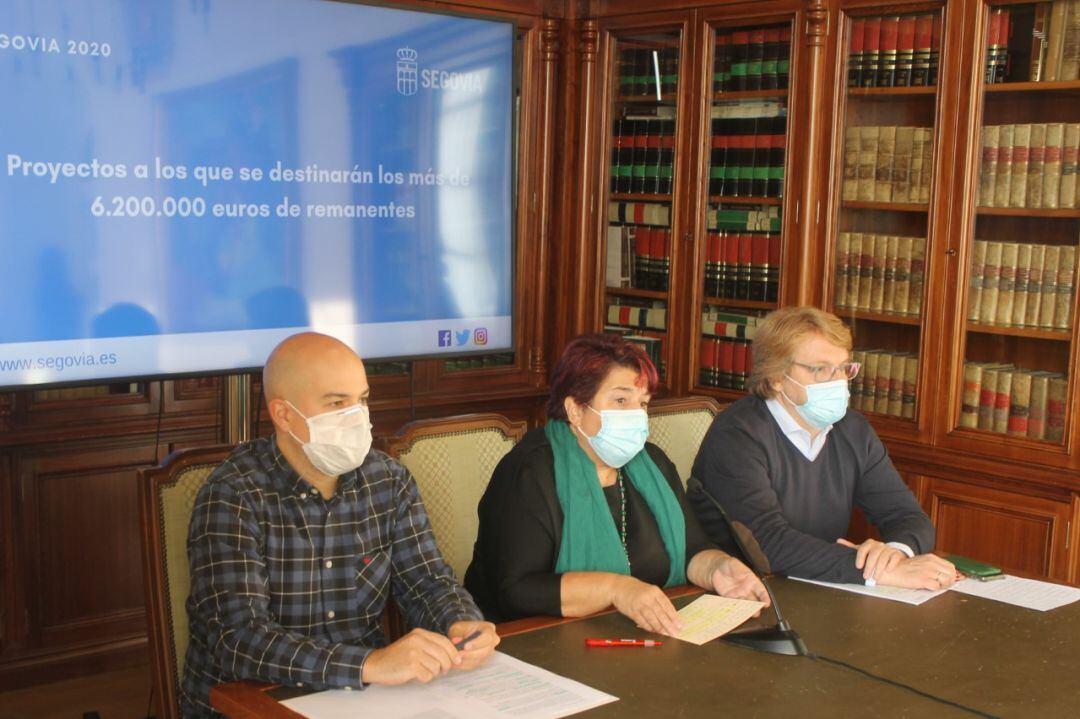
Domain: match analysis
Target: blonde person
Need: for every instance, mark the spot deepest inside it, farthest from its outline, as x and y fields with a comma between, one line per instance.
x=584, y=514
x=791, y=461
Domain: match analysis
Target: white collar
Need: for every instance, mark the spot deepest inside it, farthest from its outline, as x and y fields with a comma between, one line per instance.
x=809, y=447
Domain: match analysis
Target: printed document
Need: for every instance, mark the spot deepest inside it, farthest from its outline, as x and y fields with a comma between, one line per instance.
x=896, y=594
x=502, y=687
x=1028, y=593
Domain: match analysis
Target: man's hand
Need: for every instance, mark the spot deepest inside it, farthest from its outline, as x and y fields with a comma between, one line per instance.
x=475, y=651
x=925, y=571
x=419, y=655
x=647, y=605
x=732, y=578
x=874, y=558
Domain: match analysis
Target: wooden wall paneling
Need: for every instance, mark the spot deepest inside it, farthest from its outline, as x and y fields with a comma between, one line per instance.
x=7, y=542
x=1071, y=541
x=1016, y=532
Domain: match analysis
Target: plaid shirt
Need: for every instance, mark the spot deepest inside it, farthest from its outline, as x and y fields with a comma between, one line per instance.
x=288, y=587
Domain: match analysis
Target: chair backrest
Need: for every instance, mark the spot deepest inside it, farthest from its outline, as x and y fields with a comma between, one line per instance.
x=166, y=499
x=678, y=425
x=452, y=459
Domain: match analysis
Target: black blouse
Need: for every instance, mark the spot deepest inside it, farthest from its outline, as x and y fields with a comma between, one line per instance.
x=512, y=573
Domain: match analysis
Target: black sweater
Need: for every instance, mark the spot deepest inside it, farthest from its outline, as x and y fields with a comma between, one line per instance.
x=512, y=573
x=795, y=508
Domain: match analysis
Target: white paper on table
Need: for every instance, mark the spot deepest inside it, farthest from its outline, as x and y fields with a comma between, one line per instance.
x=710, y=616
x=1029, y=593
x=502, y=687
x=897, y=594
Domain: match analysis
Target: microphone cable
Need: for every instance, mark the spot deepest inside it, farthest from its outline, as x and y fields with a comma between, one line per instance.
x=901, y=685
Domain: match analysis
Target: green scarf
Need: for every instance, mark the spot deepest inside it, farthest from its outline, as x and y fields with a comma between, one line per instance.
x=590, y=540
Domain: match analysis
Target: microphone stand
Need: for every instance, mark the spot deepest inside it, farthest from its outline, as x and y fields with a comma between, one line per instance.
x=778, y=639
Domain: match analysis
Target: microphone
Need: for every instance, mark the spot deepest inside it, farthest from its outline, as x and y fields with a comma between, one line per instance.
x=781, y=639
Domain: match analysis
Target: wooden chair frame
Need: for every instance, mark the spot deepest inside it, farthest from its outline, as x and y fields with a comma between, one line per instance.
x=158, y=612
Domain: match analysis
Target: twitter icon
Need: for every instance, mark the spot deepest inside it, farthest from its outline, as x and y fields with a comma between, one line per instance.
x=463, y=337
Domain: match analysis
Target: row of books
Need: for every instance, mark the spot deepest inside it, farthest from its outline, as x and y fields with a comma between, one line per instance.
x=724, y=362
x=653, y=344
x=1030, y=165
x=886, y=383
x=642, y=155
x=646, y=71
x=1055, y=40
x=631, y=313
x=743, y=266
x=638, y=257
x=1020, y=285
x=747, y=152
x=743, y=219
x=469, y=363
x=656, y=214
x=888, y=163
x=880, y=273
x=725, y=355
x=1009, y=400
x=895, y=51
x=756, y=59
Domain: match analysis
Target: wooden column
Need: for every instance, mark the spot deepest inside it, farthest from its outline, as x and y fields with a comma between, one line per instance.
x=589, y=158
x=811, y=215
x=544, y=192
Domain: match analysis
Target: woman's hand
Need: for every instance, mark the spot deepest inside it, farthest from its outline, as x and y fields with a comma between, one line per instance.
x=646, y=605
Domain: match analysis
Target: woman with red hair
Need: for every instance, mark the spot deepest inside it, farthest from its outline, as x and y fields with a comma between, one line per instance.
x=584, y=514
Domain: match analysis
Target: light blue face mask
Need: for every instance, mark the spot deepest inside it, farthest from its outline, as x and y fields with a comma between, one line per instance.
x=826, y=402
x=622, y=435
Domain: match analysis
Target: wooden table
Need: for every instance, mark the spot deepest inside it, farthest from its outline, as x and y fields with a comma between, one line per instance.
x=997, y=658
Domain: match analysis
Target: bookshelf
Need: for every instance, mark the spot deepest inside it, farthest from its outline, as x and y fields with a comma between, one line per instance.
x=887, y=127
x=886, y=244
x=638, y=247
x=1018, y=368
x=746, y=131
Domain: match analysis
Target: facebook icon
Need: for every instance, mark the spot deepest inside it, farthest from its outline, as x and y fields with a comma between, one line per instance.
x=445, y=339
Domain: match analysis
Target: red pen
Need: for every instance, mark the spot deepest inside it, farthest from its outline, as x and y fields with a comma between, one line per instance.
x=622, y=643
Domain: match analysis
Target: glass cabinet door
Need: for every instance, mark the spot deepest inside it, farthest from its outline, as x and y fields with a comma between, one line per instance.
x=739, y=275
x=641, y=170
x=890, y=110
x=1019, y=342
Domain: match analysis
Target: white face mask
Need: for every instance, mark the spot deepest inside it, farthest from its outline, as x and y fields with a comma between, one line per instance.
x=339, y=440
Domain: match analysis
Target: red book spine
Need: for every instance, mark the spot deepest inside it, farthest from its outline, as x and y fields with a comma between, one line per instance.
x=731, y=259
x=772, y=293
x=905, y=51
x=658, y=275
x=920, y=68
x=759, y=264
x=705, y=361
x=742, y=290
x=740, y=365
x=714, y=267
x=624, y=315
x=890, y=33
x=725, y=363
x=871, y=52
x=855, y=53
x=642, y=261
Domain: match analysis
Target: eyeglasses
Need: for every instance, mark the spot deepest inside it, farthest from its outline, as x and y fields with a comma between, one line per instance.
x=826, y=372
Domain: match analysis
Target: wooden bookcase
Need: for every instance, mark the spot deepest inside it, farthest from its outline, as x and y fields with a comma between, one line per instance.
x=1006, y=494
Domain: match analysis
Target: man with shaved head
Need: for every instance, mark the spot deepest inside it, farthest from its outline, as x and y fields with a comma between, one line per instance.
x=298, y=540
